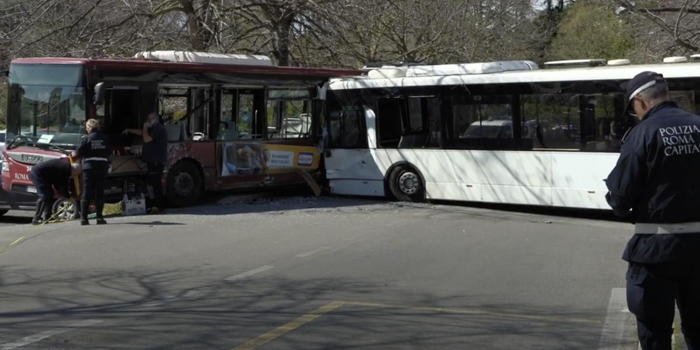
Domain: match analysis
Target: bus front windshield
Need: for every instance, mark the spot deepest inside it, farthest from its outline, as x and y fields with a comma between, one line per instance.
x=47, y=104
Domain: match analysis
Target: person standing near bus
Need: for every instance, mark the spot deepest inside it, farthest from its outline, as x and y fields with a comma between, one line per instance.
x=155, y=154
x=656, y=184
x=94, y=152
x=48, y=176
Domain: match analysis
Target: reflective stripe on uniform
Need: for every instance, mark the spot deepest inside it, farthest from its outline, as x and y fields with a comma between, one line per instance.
x=96, y=159
x=686, y=227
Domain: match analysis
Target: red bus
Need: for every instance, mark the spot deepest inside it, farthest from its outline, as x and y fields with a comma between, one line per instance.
x=233, y=121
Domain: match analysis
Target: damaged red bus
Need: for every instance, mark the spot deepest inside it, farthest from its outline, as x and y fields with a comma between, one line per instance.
x=233, y=121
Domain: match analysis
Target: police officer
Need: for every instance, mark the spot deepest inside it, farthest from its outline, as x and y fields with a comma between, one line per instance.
x=94, y=152
x=155, y=154
x=656, y=184
x=47, y=176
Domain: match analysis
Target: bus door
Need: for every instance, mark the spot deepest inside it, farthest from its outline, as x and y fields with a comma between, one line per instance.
x=121, y=110
x=241, y=131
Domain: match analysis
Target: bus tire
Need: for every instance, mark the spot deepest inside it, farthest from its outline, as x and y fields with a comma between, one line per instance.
x=184, y=185
x=406, y=184
x=68, y=207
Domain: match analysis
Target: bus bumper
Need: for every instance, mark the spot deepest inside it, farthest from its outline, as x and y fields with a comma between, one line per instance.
x=16, y=201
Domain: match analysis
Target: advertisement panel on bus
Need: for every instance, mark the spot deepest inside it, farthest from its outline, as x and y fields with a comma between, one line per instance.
x=246, y=158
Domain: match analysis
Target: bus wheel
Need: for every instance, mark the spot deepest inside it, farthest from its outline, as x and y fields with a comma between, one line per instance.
x=68, y=207
x=184, y=185
x=406, y=185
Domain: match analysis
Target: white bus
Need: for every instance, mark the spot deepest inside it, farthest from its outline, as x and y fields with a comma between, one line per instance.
x=502, y=132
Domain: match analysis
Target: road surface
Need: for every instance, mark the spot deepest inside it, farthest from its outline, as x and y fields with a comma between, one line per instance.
x=307, y=273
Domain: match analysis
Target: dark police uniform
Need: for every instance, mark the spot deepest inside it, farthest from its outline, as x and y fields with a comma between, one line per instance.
x=94, y=151
x=656, y=184
x=46, y=176
x=155, y=154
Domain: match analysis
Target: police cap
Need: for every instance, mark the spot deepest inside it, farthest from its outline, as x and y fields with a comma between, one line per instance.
x=639, y=83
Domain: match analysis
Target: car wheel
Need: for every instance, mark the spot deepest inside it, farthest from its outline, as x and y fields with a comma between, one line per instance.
x=69, y=209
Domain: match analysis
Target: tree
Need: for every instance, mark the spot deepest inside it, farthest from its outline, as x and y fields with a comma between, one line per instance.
x=354, y=32
x=589, y=30
x=662, y=27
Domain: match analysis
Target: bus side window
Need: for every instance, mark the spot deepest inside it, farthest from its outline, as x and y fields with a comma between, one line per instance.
x=200, y=118
x=346, y=128
x=482, y=122
x=553, y=120
x=392, y=121
x=172, y=107
x=421, y=127
x=434, y=130
x=604, y=124
x=289, y=119
x=684, y=99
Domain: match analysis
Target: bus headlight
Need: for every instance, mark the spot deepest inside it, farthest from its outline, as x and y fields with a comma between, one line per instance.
x=5, y=166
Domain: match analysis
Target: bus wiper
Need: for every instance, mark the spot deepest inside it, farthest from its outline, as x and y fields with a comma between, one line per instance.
x=60, y=149
x=11, y=144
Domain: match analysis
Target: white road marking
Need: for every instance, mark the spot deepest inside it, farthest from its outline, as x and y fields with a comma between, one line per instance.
x=312, y=252
x=618, y=321
x=43, y=335
x=252, y=272
x=188, y=294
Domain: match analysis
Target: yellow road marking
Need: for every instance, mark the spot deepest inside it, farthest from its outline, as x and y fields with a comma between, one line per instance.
x=288, y=327
x=474, y=312
x=7, y=247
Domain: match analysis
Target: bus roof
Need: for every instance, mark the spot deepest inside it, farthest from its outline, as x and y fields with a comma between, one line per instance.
x=189, y=67
x=671, y=71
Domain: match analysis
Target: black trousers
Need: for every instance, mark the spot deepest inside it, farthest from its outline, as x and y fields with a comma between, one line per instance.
x=155, y=182
x=94, y=183
x=653, y=290
x=44, y=189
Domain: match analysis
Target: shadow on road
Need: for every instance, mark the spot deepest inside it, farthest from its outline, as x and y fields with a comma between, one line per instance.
x=154, y=310
x=12, y=219
x=294, y=199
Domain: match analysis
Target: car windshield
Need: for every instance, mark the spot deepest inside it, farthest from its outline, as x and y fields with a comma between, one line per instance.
x=48, y=104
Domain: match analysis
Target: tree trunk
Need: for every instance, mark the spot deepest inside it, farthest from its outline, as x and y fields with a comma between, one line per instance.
x=281, y=45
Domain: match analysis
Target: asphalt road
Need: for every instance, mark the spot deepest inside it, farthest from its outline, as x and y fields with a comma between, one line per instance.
x=312, y=273
x=14, y=218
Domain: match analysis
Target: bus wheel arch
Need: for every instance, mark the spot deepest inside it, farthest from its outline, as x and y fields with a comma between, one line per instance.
x=405, y=183
x=185, y=183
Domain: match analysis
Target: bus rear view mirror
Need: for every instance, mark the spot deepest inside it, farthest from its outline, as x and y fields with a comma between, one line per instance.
x=99, y=98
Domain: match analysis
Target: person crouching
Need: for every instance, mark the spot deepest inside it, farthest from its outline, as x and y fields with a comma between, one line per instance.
x=47, y=176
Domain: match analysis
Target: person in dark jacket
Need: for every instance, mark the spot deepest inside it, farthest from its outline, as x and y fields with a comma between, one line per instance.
x=656, y=185
x=48, y=176
x=155, y=154
x=94, y=153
